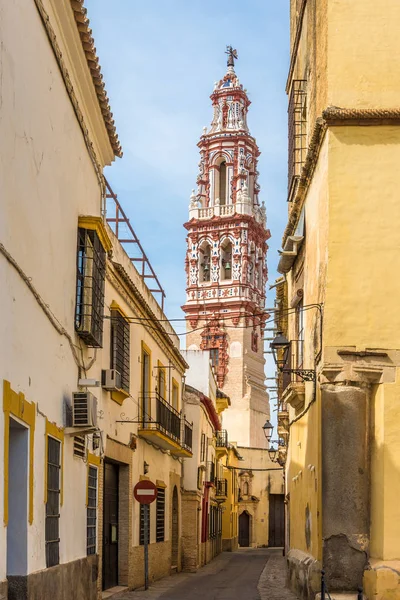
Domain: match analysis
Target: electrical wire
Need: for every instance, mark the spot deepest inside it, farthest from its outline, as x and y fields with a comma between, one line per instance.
x=139, y=321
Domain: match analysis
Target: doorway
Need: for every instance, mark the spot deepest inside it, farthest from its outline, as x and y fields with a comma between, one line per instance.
x=244, y=529
x=17, y=528
x=175, y=528
x=110, y=525
x=276, y=537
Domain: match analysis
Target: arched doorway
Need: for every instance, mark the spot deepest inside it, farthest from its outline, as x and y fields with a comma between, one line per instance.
x=244, y=529
x=175, y=529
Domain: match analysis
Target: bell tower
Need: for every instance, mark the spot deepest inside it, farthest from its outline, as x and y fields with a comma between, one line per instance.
x=225, y=261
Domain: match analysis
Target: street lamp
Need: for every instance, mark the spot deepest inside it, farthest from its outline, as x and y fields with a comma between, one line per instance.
x=268, y=429
x=272, y=453
x=280, y=349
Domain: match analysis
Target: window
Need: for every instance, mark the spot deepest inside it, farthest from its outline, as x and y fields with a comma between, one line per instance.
x=160, y=515
x=297, y=114
x=91, y=520
x=226, y=260
x=91, y=265
x=205, y=263
x=52, y=535
x=175, y=395
x=141, y=533
x=145, y=385
x=199, y=478
x=245, y=489
x=300, y=334
x=120, y=347
x=222, y=183
x=161, y=382
x=214, y=356
x=203, y=454
x=254, y=341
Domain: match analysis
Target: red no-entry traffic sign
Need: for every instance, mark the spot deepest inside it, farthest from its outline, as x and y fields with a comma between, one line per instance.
x=145, y=492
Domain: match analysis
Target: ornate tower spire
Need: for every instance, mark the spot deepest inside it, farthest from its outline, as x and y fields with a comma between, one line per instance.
x=225, y=262
x=232, y=54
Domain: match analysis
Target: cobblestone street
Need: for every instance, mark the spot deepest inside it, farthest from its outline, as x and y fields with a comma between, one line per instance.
x=254, y=574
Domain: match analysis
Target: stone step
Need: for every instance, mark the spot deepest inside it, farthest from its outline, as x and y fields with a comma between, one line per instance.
x=341, y=596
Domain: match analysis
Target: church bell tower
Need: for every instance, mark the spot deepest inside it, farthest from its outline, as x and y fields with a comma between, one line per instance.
x=225, y=261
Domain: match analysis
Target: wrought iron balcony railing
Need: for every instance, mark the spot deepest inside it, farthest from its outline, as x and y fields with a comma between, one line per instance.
x=222, y=439
x=221, y=487
x=187, y=436
x=294, y=361
x=159, y=415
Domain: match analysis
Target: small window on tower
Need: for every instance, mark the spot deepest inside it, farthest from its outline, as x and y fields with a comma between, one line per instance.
x=222, y=183
x=205, y=263
x=226, y=252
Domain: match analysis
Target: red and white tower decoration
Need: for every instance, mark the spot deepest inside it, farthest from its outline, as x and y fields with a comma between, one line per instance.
x=225, y=261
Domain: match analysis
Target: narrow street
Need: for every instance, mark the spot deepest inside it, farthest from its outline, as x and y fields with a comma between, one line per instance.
x=253, y=574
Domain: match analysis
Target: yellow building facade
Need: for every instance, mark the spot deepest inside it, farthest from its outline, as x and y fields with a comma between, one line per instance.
x=336, y=301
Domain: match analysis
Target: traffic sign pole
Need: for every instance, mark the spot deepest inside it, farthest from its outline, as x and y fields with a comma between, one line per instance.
x=146, y=509
x=145, y=493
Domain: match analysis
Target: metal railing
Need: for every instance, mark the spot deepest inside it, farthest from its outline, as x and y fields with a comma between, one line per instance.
x=158, y=414
x=222, y=439
x=221, y=487
x=187, y=436
x=297, y=131
x=294, y=361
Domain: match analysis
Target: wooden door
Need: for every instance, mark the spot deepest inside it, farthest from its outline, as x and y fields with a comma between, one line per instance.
x=110, y=526
x=276, y=536
x=244, y=529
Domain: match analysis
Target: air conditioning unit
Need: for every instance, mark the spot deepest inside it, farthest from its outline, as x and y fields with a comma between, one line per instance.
x=84, y=410
x=111, y=379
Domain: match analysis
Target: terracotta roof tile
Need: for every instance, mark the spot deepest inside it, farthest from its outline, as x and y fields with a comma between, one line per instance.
x=88, y=46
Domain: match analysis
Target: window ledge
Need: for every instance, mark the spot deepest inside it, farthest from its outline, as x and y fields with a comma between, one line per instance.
x=289, y=253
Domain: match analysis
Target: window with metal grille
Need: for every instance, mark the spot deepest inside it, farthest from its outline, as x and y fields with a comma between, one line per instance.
x=214, y=356
x=91, y=521
x=120, y=347
x=91, y=266
x=80, y=446
x=141, y=532
x=297, y=117
x=160, y=515
x=203, y=447
x=52, y=534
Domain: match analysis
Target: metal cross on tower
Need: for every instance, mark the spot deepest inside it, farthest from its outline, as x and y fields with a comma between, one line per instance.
x=232, y=55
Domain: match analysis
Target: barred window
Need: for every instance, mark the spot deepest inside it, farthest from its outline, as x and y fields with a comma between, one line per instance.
x=160, y=515
x=120, y=347
x=91, y=266
x=52, y=534
x=141, y=533
x=214, y=356
x=203, y=447
x=297, y=115
x=91, y=522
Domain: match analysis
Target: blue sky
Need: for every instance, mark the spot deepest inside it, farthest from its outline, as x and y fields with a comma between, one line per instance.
x=160, y=60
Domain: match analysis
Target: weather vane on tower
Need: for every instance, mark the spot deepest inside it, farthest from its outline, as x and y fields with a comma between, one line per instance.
x=232, y=55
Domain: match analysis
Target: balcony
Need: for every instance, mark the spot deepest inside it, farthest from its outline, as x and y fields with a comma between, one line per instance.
x=187, y=435
x=221, y=488
x=242, y=207
x=161, y=424
x=221, y=443
x=293, y=387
